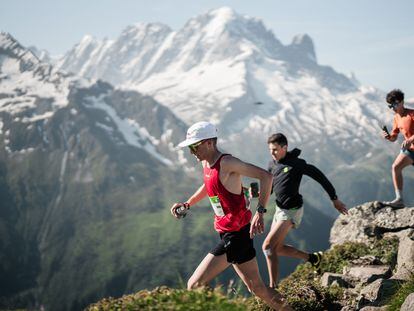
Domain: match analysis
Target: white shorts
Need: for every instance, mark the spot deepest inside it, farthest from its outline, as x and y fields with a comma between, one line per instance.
x=294, y=215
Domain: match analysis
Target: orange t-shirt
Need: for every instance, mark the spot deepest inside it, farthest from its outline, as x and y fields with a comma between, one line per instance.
x=405, y=125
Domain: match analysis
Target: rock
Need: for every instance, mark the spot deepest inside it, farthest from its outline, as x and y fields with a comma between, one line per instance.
x=329, y=279
x=348, y=308
x=377, y=292
x=369, y=221
x=353, y=227
x=370, y=308
x=389, y=219
x=366, y=261
x=405, y=259
x=367, y=274
x=399, y=234
x=408, y=304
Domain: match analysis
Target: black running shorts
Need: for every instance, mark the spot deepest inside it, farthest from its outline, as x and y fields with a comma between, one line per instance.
x=238, y=246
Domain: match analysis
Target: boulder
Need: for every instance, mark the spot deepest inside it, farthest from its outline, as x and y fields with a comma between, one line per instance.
x=399, y=234
x=366, y=261
x=367, y=274
x=329, y=279
x=370, y=308
x=389, y=219
x=408, y=304
x=369, y=221
x=353, y=227
x=405, y=259
x=377, y=292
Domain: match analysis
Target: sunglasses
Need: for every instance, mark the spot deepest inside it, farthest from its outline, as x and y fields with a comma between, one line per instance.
x=195, y=146
x=393, y=105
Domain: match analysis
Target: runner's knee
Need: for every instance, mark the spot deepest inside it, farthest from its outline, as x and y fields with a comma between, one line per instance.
x=269, y=249
x=267, y=252
x=192, y=283
x=395, y=167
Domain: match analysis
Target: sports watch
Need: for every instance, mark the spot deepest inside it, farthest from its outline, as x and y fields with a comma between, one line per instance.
x=261, y=209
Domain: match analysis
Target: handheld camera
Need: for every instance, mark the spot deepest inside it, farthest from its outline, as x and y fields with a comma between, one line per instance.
x=384, y=128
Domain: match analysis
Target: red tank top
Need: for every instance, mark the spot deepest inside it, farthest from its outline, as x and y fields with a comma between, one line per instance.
x=230, y=209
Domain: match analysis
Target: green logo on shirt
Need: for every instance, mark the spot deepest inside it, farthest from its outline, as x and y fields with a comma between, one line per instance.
x=215, y=204
x=286, y=169
x=215, y=200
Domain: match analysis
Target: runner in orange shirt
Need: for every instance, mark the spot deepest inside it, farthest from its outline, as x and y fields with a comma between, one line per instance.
x=404, y=123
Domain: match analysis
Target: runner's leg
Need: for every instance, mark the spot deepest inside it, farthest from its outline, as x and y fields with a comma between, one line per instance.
x=400, y=162
x=249, y=273
x=208, y=269
x=273, y=246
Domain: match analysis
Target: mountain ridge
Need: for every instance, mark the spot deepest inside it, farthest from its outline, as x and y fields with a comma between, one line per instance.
x=220, y=63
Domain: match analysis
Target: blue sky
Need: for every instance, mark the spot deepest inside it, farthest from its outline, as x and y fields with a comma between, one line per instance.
x=374, y=39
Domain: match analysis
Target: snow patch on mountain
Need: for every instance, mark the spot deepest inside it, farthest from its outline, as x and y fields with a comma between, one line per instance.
x=202, y=86
x=133, y=133
x=29, y=88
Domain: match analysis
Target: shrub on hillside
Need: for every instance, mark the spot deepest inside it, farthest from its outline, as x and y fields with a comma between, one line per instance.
x=302, y=288
x=164, y=298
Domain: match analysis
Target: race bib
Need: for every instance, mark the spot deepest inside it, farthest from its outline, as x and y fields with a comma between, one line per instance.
x=215, y=204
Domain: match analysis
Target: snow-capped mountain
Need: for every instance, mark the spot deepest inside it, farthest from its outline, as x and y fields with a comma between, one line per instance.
x=231, y=69
x=81, y=163
x=87, y=170
x=42, y=54
x=32, y=92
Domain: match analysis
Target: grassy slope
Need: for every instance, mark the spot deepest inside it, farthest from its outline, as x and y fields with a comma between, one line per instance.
x=302, y=288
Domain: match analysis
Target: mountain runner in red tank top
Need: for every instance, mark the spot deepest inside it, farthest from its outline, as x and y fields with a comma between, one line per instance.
x=223, y=187
x=231, y=215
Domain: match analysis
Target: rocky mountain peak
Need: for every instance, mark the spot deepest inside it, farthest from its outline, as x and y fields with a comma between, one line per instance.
x=303, y=44
x=226, y=24
x=138, y=31
x=41, y=54
x=12, y=48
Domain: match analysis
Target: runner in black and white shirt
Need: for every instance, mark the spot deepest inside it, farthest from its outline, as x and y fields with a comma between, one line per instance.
x=287, y=170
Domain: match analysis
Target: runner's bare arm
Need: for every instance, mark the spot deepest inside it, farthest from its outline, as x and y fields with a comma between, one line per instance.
x=394, y=132
x=234, y=165
x=200, y=194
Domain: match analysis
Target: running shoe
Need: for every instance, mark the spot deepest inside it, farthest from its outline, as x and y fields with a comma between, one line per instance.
x=397, y=203
x=315, y=259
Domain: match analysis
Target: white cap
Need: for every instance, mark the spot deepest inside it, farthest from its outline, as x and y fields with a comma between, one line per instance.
x=198, y=132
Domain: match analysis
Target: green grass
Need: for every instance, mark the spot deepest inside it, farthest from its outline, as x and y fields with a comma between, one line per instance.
x=302, y=288
x=340, y=255
x=396, y=301
x=163, y=298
